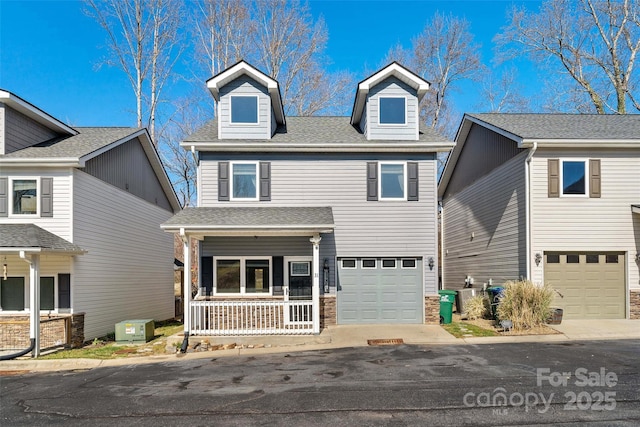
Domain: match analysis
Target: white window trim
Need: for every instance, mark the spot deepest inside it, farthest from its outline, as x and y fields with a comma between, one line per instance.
x=355, y=263
x=243, y=277
x=405, y=111
x=375, y=263
x=231, y=122
x=232, y=182
x=395, y=264
x=404, y=187
x=586, y=178
x=415, y=263
x=24, y=178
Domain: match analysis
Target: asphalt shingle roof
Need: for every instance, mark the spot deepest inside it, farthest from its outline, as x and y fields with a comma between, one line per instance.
x=315, y=130
x=252, y=217
x=86, y=142
x=32, y=236
x=566, y=126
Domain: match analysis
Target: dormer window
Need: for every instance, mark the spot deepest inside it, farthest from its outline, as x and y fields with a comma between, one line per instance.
x=244, y=109
x=393, y=111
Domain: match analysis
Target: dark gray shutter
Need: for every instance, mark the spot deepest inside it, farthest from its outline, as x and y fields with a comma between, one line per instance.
x=4, y=197
x=223, y=181
x=64, y=290
x=46, y=197
x=594, y=178
x=412, y=181
x=372, y=181
x=278, y=275
x=206, y=276
x=553, y=166
x=265, y=181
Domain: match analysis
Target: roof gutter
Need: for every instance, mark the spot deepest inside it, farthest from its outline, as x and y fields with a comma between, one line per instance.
x=527, y=190
x=72, y=162
x=331, y=147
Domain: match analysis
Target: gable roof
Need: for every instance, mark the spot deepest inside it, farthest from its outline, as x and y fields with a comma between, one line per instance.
x=242, y=67
x=87, y=143
x=35, y=113
x=562, y=129
x=31, y=238
x=315, y=134
x=394, y=69
x=549, y=130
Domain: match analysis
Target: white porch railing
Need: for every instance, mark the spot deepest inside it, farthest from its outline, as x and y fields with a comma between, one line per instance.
x=251, y=317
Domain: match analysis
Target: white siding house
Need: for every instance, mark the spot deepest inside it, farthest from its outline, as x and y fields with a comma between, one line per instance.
x=556, y=201
x=80, y=210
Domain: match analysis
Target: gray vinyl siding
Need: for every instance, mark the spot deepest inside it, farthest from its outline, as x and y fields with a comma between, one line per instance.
x=127, y=272
x=245, y=86
x=363, y=120
x=484, y=228
x=588, y=224
x=392, y=87
x=363, y=228
x=60, y=222
x=21, y=132
x=128, y=168
x=483, y=151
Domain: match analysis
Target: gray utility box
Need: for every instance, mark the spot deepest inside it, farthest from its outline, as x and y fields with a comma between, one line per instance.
x=135, y=330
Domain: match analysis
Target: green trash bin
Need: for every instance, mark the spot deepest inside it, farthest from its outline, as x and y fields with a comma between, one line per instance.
x=447, y=299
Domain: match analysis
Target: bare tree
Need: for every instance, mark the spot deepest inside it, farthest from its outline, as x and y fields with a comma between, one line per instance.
x=443, y=54
x=502, y=94
x=144, y=41
x=279, y=37
x=594, y=42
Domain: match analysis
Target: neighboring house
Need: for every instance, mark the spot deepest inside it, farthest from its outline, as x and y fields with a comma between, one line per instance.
x=80, y=210
x=304, y=222
x=550, y=197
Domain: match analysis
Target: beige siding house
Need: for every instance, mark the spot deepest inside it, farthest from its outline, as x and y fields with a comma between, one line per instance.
x=80, y=215
x=313, y=221
x=552, y=198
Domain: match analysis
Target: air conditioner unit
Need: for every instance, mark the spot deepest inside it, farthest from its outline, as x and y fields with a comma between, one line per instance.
x=135, y=331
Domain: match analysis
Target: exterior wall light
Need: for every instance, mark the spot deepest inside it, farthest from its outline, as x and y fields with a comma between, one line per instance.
x=538, y=258
x=325, y=275
x=432, y=263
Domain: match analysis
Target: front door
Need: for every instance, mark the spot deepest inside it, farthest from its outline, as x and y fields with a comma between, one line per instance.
x=298, y=290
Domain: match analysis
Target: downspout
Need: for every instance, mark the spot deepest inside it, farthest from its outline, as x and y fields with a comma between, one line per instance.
x=527, y=190
x=32, y=346
x=441, y=205
x=186, y=313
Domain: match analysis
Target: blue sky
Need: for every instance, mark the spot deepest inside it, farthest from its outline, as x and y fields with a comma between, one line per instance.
x=50, y=51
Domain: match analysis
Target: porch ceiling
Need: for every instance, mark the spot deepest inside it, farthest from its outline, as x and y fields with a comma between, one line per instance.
x=15, y=238
x=252, y=221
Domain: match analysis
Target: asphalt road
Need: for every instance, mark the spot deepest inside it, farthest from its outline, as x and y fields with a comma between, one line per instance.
x=570, y=383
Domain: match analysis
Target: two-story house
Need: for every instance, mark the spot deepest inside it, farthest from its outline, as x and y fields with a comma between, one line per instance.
x=304, y=222
x=80, y=210
x=553, y=198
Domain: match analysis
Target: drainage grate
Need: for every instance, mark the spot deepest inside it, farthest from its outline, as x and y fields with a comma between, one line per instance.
x=391, y=341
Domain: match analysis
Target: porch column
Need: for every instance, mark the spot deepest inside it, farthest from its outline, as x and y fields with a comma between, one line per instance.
x=315, y=289
x=34, y=300
x=186, y=312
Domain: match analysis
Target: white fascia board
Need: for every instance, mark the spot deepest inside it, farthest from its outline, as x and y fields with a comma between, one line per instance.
x=635, y=209
x=35, y=113
x=580, y=143
x=332, y=148
x=279, y=230
x=54, y=162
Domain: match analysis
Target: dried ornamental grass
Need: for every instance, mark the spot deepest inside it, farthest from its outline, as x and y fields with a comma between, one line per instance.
x=526, y=304
x=476, y=307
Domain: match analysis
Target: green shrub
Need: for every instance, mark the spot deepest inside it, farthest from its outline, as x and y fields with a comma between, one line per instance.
x=526, y=304
x=476, y=307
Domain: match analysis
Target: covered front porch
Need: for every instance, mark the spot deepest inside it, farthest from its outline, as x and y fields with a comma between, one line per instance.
x=259, y=269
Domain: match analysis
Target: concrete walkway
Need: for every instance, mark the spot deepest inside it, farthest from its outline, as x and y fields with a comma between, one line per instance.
x=341, y=337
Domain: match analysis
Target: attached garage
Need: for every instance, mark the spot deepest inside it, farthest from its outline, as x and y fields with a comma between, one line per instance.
x=591, y=284
x=380, y=290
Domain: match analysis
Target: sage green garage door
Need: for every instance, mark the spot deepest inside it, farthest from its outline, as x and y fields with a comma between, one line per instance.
x=382, y=290
x=591, y=285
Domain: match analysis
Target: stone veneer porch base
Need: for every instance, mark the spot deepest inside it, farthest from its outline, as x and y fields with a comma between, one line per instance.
x=634, y=304
x=328, y=314
x=432, y=309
